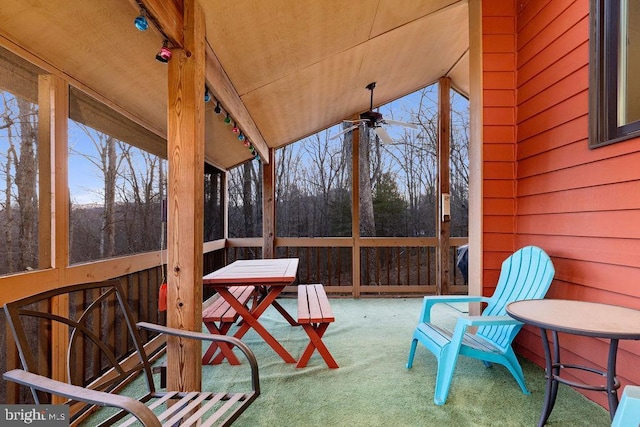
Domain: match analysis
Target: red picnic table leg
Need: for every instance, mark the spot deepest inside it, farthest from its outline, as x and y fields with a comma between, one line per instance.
x=250, y=320
x=315, y=331
x=225, y=350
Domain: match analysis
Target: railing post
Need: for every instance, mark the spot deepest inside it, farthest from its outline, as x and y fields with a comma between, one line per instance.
x=269, y=206
x=444, y=213
x=355, y=215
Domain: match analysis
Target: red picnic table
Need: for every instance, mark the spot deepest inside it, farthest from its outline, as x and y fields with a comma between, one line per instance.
x=270, y=277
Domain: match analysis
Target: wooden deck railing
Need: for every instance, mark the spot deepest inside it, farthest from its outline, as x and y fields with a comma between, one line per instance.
x=385, y=266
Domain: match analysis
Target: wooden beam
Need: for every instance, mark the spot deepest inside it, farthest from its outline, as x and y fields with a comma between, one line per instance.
x=223, y=90
x=444, y=215
x=53, y=101
x=167, y=15
x=186, y=200
x=355, y=210
x=225, y=207
x=269, y=206
x=476, y=178
x=46, y=132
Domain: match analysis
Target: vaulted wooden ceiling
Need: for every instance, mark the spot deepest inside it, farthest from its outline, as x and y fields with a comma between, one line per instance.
x=297, y=66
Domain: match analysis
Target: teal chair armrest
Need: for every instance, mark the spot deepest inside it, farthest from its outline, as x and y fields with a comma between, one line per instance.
x=430, y=301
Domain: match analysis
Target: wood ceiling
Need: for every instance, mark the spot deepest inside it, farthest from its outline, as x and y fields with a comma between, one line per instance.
x=298, y=66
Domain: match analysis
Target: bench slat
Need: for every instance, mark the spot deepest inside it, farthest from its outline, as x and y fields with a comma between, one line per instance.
x=315, y=314
x=313, y=305
x=325, y=307
x=303, y=304
x=221, y=311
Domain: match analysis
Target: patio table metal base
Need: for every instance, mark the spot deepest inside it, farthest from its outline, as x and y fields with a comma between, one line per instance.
x=554, y=367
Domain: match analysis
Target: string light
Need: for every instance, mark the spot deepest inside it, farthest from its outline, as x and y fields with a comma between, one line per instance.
x=141, y=22
x=165, y=54
x=228, y=120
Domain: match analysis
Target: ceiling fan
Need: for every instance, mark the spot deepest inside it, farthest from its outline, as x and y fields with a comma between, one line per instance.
x=374, y=120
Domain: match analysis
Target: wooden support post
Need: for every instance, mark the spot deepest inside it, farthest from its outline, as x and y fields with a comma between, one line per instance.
x=186, y=200
x=444, y=214
x=53, y=118
x=476, y=205
x=355, y=208
x=269, y=206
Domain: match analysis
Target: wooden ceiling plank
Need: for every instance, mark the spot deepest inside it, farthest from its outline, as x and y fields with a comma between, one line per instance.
x=224, y=91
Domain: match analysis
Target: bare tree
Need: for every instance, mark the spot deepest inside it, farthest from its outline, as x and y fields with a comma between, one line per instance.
x=19, y=122
x=322, y=176
x=107, y=161
x=140, y=193
x=245, y=200
x=26, y=175
x=8, y=223
x=287, y=187
x=367, y=218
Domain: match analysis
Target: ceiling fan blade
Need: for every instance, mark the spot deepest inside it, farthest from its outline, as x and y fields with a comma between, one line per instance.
x=383, y=135
x=343, y=131
x=355, y=121
x=397, y=123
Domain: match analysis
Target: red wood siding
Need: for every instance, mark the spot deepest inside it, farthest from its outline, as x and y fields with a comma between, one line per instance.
x=499, y=132
x=582, y=206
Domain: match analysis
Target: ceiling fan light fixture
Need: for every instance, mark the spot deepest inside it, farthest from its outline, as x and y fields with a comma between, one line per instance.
x=374, y=120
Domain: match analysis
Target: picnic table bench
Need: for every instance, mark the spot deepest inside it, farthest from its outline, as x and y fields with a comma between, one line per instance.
x=218, y=316
x=314, y=315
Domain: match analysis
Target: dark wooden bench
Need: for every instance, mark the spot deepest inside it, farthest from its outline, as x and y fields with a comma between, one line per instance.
x=218, y=316
x=314, y=315
x=96, y=316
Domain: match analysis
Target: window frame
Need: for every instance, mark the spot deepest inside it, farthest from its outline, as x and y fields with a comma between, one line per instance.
x=604, y=71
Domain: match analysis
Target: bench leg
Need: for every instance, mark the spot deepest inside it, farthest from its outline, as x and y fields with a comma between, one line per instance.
x=225, y=350
x=315, y=333
x=250, y=320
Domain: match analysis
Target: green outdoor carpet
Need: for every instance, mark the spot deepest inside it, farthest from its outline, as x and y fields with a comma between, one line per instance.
x=370, y=341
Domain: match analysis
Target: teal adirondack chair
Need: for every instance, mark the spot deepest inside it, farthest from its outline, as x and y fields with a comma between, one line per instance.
x=628, y=412
x=526, y=274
